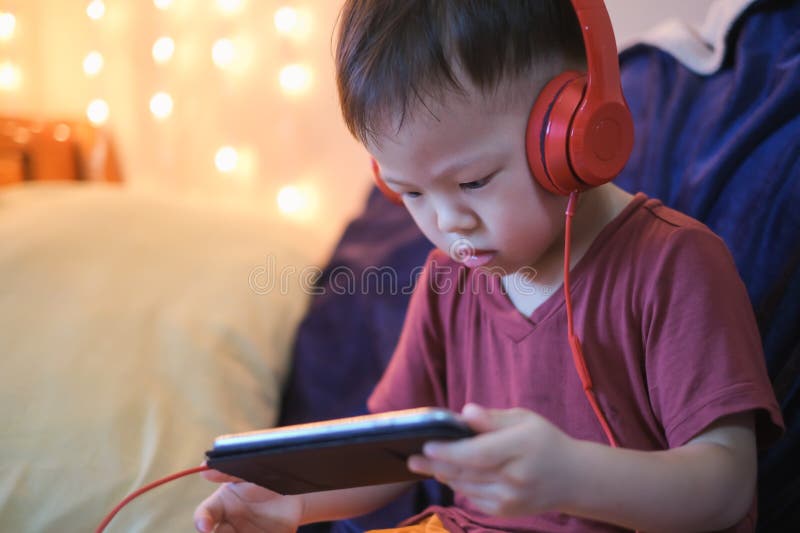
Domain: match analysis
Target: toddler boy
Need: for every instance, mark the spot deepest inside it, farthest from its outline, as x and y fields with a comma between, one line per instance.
x=440, y=93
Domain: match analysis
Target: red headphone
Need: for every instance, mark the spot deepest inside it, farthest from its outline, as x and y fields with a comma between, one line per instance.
x=580, y=130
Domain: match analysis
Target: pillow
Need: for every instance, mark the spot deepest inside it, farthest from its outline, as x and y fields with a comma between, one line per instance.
x=135, y=330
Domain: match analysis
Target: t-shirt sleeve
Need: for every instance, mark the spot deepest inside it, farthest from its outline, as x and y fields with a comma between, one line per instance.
x=415, y=374
x=704, y=357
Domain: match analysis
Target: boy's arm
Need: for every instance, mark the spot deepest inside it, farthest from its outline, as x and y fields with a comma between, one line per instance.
x=243, y=506
x=707, y=484
x=522, y=464
x=347, y=503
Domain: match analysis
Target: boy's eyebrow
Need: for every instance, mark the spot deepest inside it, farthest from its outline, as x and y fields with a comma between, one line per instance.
x=395, y=181
x=448, y=170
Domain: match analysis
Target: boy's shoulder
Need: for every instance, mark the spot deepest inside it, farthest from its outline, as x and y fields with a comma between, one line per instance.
x=652, y=226
x=649, y=243
x=655, y=246
x=672, y=217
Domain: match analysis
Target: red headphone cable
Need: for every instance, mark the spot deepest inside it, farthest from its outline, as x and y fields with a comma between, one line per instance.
x=574, y=341
x=149, y=486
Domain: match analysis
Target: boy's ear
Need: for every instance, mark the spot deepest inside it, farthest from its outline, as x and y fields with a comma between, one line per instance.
x=387, y=192
x=580, y=130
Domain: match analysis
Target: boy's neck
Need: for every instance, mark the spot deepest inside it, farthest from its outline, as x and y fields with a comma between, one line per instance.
x=596, y=208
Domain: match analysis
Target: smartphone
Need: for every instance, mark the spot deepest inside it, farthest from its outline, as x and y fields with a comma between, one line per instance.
x=335, y=454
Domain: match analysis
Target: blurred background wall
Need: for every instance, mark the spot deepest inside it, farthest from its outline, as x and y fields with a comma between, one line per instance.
x=218, y=99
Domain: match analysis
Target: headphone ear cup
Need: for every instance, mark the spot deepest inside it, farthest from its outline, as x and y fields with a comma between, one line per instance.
x=387, y=192
x=548, y=131
x=600, y=140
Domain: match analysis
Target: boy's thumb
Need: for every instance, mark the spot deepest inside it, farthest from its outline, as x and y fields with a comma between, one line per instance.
x=482, y=419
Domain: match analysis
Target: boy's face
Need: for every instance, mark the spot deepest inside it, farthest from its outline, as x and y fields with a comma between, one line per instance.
x=464, y=177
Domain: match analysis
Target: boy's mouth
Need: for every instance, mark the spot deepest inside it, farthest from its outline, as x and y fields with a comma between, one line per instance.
x=478, y=259
x=463, y=252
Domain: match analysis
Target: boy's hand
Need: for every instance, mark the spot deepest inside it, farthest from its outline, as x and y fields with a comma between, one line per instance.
x=240, y=507
x=513, y=467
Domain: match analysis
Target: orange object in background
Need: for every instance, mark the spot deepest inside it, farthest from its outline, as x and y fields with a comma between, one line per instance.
x=39, y=150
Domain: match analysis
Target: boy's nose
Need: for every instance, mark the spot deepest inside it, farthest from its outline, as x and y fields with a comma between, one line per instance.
x=453, y=220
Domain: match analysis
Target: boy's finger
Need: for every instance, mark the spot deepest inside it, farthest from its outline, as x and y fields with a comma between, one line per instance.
x=482, y=419
x=420, y=465
x=203, y=522
x=477, y=417
x=486, y=451
x=209, y=513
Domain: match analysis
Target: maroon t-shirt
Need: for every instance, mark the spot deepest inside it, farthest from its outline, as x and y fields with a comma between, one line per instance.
x=667, y=329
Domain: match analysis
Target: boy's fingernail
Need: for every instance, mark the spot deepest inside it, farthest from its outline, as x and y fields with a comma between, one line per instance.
x=201, y=525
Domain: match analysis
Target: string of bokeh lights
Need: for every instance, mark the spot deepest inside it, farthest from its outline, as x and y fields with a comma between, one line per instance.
x=226, y=54
x=10, y=75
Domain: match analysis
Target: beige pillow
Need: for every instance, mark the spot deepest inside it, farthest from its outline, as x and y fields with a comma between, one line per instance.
x=131, y=334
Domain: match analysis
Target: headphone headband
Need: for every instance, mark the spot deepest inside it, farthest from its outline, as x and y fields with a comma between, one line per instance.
x=601, y=50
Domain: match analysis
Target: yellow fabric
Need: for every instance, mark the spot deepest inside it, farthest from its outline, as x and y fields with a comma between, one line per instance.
x=130, y=338
x=430, y=524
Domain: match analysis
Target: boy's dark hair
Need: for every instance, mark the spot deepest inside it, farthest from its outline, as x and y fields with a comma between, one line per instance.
x=392, y=52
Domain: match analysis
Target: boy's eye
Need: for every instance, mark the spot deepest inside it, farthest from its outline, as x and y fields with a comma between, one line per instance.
x=477, y=184
x=411, y=194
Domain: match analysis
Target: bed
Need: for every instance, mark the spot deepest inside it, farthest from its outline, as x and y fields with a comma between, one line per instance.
x=135, y=329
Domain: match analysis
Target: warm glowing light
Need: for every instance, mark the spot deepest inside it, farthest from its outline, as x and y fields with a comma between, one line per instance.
x=290, y=199
x=61, y=132
x=293, y=22
x=223, y=53
x=295, y=79
x=297, y=201
x=230, y=6
x=97, y=111
x=286, y=20
x=7, y=24
x=163, y=49
x=226, y=159
x=21, y=135
x=96, y=9
x=10, y=77
x=93, y=63
x=162, y=4
x=161, y=105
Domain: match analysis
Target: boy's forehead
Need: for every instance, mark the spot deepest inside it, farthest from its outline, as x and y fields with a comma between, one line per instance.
x=427, y=109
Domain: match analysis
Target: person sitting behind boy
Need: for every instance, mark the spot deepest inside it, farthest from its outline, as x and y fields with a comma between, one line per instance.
x=440, y=93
